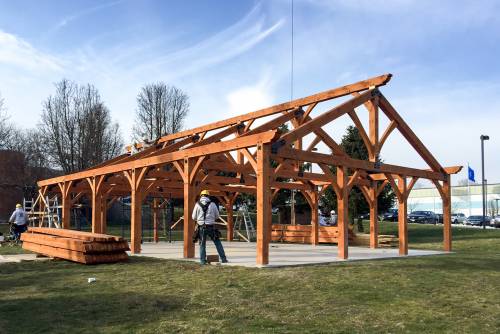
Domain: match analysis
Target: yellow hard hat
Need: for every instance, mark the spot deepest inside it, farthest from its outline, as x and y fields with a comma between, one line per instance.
x=18, y=205
x=204, y=193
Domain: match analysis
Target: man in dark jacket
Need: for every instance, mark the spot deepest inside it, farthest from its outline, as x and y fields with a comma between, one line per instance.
x=205, y=213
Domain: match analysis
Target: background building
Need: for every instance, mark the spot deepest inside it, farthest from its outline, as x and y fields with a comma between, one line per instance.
x=465, y=199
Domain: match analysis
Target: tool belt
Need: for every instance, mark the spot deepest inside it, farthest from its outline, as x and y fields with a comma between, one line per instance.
x=202, y=231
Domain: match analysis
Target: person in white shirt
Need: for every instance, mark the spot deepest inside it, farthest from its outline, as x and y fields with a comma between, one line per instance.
x=333, y=218
x=205, y=213
x=20, y=220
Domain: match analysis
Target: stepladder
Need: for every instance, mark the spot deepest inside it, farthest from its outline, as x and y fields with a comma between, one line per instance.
x=244, y=224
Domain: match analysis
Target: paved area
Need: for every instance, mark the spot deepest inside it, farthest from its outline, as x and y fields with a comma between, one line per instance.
x=280, y=255
x=20, y=257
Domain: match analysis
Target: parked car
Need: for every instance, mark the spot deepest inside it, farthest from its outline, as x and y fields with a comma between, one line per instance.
x=364, y=216
x=422, y=217
x=477, y=220
x=439, y=217
x=496, y=221
x=457, y=218
x=391, y=215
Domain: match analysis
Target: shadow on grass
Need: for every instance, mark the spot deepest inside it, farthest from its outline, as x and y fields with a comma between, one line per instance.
x=448, y=263
x=80, y=311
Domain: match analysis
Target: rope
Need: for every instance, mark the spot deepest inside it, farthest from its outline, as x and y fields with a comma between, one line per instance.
x=291, y=60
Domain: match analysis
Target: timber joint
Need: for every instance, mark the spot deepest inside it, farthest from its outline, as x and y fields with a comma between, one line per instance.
x=277, y=145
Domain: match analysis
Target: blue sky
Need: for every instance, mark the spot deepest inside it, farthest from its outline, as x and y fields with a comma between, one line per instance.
x=234, y=56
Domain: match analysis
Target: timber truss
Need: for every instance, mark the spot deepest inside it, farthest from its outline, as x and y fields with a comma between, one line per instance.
x=248, y=154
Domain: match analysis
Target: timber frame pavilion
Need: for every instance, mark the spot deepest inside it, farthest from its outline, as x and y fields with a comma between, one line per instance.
x=181, y=164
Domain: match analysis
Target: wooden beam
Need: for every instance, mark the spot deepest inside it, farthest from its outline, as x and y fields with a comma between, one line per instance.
x=308, y=111
x=342, y=213
x=315, y=157
x=213, y=148
x=230, y=220
x=373, y=215
x=314, y=205
x=155, y=219
x=410, y=136
x=320, y=97
x=317, y=122
x=190, y=193
x=263, y=204
x=313, y=144
x=386, y=134
x=446, y=197
x=364, y=136
x=403, y=217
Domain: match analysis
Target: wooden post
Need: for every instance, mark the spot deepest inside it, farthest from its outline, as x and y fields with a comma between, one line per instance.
x=342, y=208
x=135, y=221
x=373, y=215
x=66, y=212
x=230, y=220
x=104, y=213
x=403, y=216
x=447, y=213
x=314, y=218
x=95, y=183
x=96, y=213
x=373, y=128
x=155, y=219
x=66, y=203
x=263, y=204
x=189, y=201
x=135, y=177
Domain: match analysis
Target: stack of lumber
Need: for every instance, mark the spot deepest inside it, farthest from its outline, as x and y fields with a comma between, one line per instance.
x=384, y=241
x=77, y=246
x=302, y=234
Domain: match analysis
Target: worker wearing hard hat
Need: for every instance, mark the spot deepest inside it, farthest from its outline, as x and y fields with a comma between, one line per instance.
x=205, y=213
x=20, y=220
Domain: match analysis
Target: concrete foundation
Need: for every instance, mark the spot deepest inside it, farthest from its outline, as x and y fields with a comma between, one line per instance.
x=280, y=255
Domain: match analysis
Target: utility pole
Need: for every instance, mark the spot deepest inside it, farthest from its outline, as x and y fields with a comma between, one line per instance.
x=483, y=138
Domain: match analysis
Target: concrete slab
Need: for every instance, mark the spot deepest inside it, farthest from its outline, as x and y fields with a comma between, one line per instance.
x=280, y=255
x=16, y=258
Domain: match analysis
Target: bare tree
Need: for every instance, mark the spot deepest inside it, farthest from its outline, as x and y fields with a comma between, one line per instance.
x=161, y=110
x=6, y=128
x=77, y=129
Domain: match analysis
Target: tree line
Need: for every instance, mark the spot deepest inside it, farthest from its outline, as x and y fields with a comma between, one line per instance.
x=76, y=131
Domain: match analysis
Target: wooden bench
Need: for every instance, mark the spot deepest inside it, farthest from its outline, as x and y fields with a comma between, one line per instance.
x=302, y=234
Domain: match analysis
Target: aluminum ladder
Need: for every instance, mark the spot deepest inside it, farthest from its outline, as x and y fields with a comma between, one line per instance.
x=243, y=218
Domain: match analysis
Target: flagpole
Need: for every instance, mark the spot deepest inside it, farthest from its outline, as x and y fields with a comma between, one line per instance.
x=468, y=186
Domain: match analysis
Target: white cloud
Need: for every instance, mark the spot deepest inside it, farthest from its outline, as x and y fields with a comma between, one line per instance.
x=120, y=68
x=19, y=53
x=70, y=18
x=249, y=98
x=220, y=47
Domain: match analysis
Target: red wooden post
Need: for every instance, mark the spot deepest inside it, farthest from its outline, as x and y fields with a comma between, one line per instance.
x=342, y=208
x=263, y=204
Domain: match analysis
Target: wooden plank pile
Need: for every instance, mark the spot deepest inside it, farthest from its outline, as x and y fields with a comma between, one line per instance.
x=384, y=241
x=77, y=246
x=302, y=234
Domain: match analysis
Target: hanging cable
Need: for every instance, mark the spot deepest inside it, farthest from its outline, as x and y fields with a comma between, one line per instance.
x=291, y=60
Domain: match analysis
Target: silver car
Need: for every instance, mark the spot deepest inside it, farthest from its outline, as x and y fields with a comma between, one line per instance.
x=457, y=218
x=496, y=221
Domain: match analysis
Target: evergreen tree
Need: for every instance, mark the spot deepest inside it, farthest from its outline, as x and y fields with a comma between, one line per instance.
x=353, y=145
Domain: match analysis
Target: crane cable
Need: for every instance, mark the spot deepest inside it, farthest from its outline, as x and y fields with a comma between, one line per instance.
x=291, y=60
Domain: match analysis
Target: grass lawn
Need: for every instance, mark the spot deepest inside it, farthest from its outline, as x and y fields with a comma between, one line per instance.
x=455, y=293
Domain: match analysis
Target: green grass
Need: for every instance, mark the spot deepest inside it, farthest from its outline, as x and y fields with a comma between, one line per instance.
x=8, y=248
x=455, y=293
